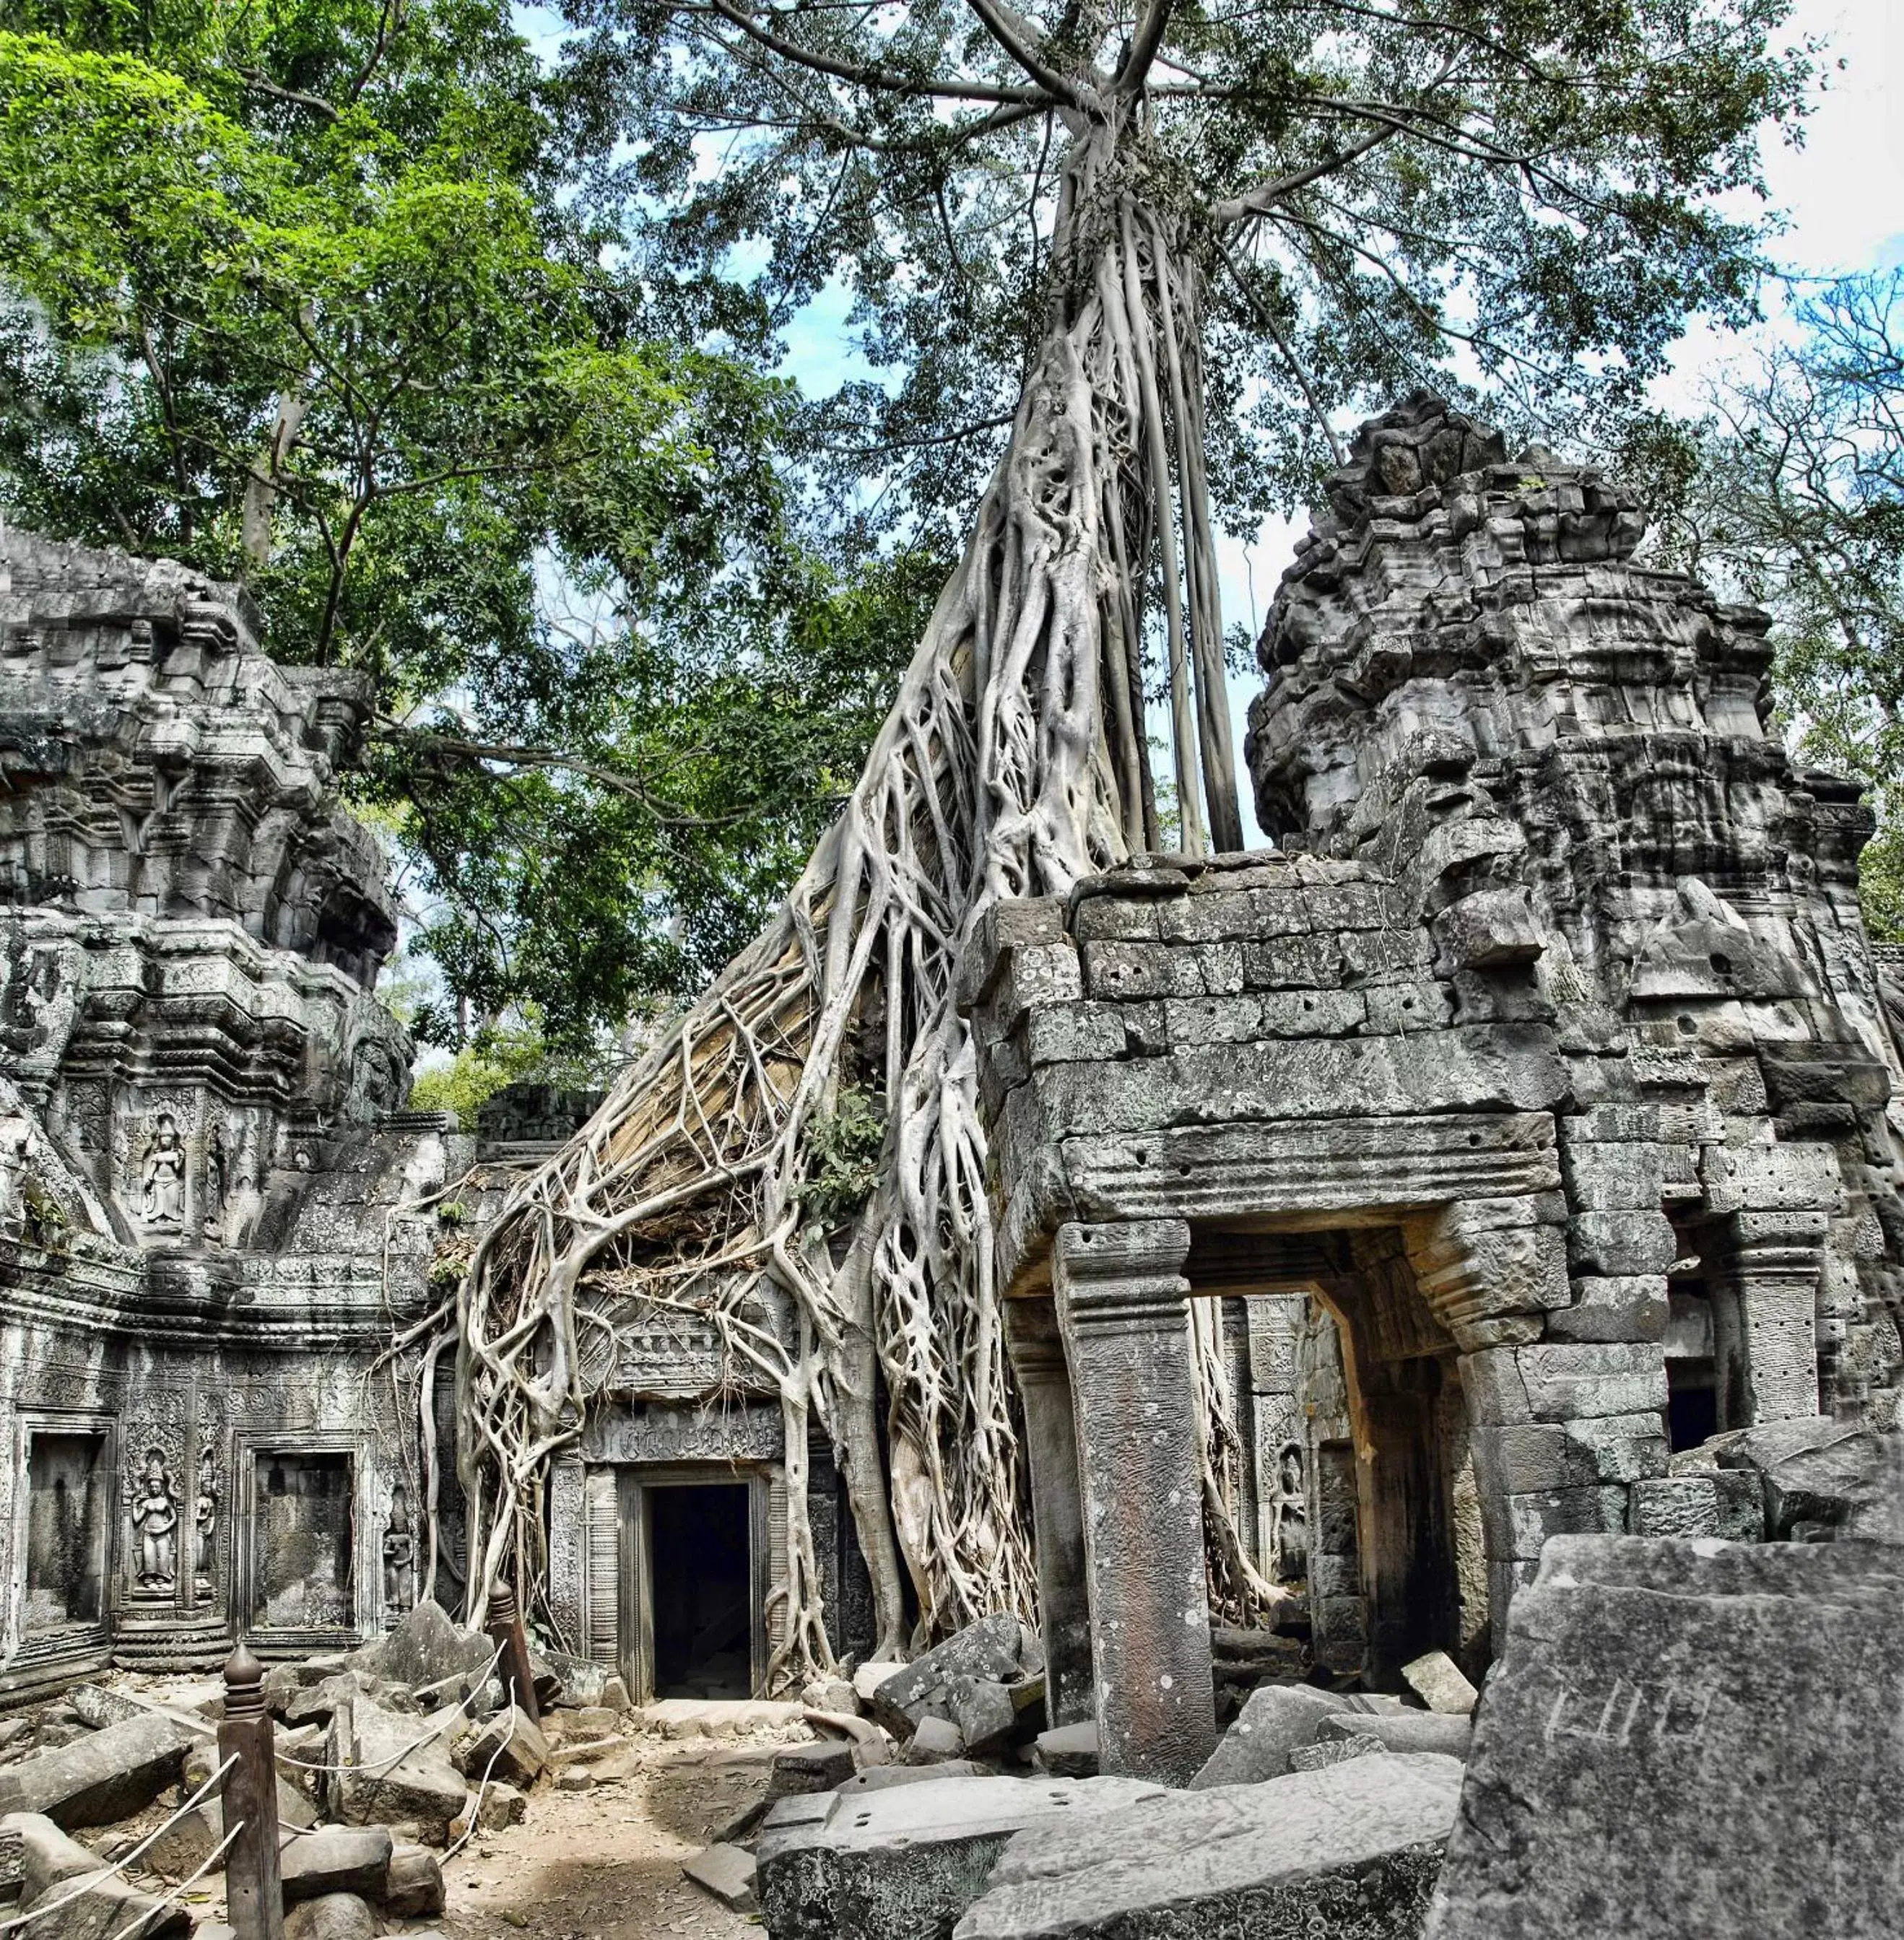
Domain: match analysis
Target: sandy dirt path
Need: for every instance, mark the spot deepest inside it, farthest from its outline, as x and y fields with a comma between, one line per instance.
x=605, y=1863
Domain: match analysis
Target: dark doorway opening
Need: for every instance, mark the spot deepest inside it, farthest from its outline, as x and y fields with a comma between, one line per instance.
x=703, y=1605
x=66, y=1519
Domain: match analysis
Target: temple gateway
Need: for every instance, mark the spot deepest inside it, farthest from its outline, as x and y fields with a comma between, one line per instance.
x=1527, y=1117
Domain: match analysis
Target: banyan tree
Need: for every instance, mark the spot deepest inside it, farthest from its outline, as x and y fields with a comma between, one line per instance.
x=1119, y=269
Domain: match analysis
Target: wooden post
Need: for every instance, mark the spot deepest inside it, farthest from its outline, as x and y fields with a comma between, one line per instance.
x=512, y=1666
x=254, y=1886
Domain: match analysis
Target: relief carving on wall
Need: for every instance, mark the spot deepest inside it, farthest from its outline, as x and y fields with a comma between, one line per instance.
x=152, y=1498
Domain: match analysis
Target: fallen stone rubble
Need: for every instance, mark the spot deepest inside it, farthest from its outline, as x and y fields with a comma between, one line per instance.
x=389, y=1756
x=936, y=1796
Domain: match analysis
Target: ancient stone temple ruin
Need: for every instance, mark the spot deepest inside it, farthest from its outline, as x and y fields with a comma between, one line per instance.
x=1517, y=1133
x=1548, y=1060
x=212, y=1209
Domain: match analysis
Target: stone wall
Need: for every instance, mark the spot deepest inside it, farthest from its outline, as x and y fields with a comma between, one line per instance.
x=215, y=1211
x=1547, y=1056
x=212, y=1207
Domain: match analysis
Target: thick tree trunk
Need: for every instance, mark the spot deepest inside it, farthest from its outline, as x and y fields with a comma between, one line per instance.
x=1013, y=763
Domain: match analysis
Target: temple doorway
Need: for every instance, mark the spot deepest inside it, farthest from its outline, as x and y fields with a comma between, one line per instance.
x=701, y=1593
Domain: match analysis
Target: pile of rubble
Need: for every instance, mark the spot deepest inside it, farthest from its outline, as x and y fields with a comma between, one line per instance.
x=389, y=1758
x=1676, y=1729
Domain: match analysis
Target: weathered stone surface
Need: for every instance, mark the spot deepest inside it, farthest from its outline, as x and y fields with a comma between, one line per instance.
x=1348, y=1853
x=334, y=1916
x=508, y=1747
x=1275, y=1719
x=985, y=1715
x=1401, y=1731
x=1069, y=1751
x=903, y=1864
x=53, y=1869
x=392, y=1769
x=989, y=1647
x=1637, y=1749
x=103, y=1776
x=1329, y=1752
x=1437, y=1680
x=727, y=1872
x=935, y=1738
x=818, y=1766
x=413, y=1885
x=884, y=1777
x=335, y=1858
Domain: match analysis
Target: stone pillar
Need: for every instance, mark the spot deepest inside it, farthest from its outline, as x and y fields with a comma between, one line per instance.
x=1037, y=1351
x=1765, y=1317
x=1121, y=1297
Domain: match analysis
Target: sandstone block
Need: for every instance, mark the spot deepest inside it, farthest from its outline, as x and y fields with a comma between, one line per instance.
x=1616, y=1243
x=335, y=1916
x=507, y=1747
x=1320, y=1756
x=1350, y=1852
x=51, y=1867
x=335, y=1858
x=413, y=1885
x=1275, y=1720
x=1631, y=1307
x=1635, y=1748
x=1437, y=1680
x=727, y=1872
x=103, y=1776
x=989, y=1647
x=904, y=1863
x=818, y=1766
x=1443, y=1733
x=1068, y=1751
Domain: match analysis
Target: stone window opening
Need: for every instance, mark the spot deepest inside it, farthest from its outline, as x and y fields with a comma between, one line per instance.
x=68, y=1477
x=1695, y=1403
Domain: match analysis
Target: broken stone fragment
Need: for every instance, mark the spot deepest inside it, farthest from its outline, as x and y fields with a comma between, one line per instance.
x=507, y=1747
x=1336, y=1751
x=902, y=1863
x=1401, y=1731
x=390, y=1768
x=1350, y=1852
x=727, y=1872
x=818, y=1766
x=1276, y=1720
x=429, y=1649
x=51, y=1867
x=867, y=1678
x=1686, y=1739
x=101, y=1775
x=1437, y=1680
x=412, y=1884
x=1070, y=1751
x=497, y=1806
x=989, y=1649
x=334, y=1859
x=984, y=1714
x=333, y=1916
x=935, y=1738
x=830, y=1694
x=98, y=1707
x=884, y=1777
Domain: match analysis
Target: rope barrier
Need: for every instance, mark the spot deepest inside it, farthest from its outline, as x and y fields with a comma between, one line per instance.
x=172, y=1897
x=415, y=1745
x=95, y=1881
x=482, y=1790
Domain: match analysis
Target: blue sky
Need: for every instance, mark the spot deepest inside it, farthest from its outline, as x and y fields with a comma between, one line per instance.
x=1842, y=191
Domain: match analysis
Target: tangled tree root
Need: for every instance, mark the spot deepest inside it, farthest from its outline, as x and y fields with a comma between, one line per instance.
x=1013, y=763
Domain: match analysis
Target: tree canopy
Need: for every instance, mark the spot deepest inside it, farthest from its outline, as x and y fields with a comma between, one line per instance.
x=1788, y=492
x=299, y=294
x=1527, y=195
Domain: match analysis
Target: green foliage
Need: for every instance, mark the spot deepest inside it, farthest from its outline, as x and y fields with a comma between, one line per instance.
x=1536, y=187
x=301, y=294
x=1789, y=492
x=844, y=1146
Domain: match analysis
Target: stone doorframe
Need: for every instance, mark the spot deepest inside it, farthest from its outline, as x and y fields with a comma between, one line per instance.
x=1105, y=1366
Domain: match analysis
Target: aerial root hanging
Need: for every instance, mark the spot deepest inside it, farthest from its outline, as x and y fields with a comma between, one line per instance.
x=1014, y=762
